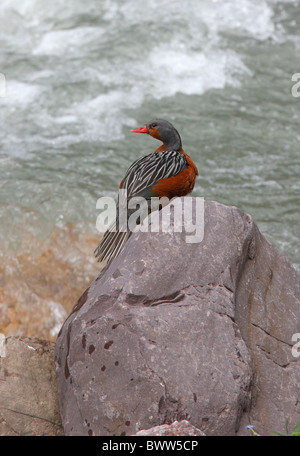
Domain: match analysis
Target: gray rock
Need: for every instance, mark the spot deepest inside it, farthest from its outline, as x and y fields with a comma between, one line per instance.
x=173, y=331
x=28, y=388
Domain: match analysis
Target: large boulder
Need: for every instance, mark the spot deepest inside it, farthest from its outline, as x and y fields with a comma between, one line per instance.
x=175, y=331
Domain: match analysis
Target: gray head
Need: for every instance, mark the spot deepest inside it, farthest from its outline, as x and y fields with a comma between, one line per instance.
x=164, y=131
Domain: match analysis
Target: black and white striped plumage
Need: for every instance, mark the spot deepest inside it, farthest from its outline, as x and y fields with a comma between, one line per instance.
x=145, y=172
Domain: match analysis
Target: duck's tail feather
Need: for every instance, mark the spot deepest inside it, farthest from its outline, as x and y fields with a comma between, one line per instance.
x=111, y=244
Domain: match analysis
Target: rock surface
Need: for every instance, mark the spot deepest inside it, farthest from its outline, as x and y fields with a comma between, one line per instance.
x=172, y=331
x=268, y=314
x=28, y=388
x=175, y=429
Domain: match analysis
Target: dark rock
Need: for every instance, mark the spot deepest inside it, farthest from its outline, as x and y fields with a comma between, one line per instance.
x=160, y=335
x=175, y=429
x=28, y=388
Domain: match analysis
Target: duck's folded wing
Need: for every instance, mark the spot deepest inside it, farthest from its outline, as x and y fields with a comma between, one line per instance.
x=145, y=172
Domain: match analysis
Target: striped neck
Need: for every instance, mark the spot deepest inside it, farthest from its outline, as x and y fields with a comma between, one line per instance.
x=164, y=147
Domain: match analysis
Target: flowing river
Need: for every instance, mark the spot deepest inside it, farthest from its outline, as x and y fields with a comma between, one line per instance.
x=77, y=76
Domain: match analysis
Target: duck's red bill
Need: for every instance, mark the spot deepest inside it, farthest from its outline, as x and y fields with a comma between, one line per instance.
x=140, y=130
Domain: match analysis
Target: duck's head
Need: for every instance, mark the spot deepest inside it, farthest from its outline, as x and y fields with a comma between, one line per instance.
x=163, y=131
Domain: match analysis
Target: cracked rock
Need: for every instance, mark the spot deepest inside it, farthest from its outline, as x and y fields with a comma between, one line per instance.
x=28, y=389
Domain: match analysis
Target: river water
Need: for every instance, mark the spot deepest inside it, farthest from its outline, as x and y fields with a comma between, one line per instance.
x=80, y=74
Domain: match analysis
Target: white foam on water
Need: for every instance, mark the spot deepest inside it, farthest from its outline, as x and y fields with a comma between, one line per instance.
x=101, y=117
x=163, y=73
x=181, y=51
x=193, y=72
x=72, y=41
x=255, y=17
x=20, y=94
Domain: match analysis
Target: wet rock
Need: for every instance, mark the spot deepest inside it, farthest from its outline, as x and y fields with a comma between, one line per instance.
x=28, y=388
x=173, y=331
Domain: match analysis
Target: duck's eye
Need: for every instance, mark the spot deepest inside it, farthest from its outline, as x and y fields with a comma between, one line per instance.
x=154, y=125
